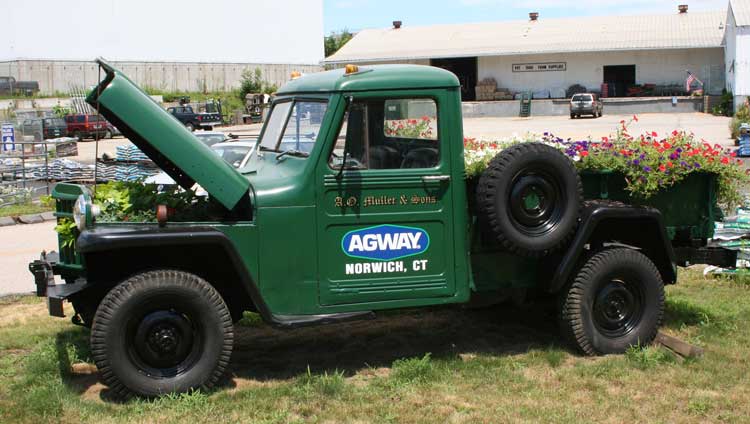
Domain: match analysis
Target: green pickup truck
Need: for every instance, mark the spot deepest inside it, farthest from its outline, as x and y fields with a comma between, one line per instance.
x=355, y=200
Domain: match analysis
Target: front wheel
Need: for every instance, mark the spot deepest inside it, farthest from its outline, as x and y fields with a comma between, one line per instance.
x=615, y=301
x=161, y=332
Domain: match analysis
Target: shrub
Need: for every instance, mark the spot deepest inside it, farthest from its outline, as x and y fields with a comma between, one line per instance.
x=742, y=116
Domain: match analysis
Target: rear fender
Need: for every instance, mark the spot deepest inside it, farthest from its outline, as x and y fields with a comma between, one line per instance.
x=637, y=227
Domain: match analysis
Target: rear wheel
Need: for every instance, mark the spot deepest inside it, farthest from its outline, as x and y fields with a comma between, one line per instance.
x=615, y=301
x=77, y=135
x=108, y=134
x=190, y=126
x=161, y=332
x=572, y=116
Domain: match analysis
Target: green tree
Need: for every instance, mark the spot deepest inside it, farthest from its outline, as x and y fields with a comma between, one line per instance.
x=252, y=82
x=336, y=40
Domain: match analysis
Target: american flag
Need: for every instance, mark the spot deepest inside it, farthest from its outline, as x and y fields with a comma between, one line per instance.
x=690, y=79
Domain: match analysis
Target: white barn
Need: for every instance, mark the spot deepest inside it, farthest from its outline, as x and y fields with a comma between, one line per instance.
x=550, y=54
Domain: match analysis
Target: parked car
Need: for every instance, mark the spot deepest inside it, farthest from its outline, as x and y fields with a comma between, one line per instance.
x=586, y=104
x=193, y=120
x=235, y=153
x=82, y=126
x=209, y=138
x=45, y=128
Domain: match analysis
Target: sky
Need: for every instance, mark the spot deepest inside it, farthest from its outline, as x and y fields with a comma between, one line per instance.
x=360, y=14
x=244, y=31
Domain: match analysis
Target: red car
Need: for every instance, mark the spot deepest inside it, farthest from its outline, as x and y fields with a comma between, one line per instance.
x=87, y=126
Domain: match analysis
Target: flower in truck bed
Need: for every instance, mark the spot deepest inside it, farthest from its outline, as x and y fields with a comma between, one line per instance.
x=649, y=163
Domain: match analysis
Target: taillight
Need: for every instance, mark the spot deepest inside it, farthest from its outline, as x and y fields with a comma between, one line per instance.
x=200, y=118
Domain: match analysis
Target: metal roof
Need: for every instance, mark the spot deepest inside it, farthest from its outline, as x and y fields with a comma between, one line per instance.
x=374, y=77
x=741, y=10
x=558, y=35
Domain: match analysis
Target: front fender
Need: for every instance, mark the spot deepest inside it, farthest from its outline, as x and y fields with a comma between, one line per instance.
x=609, y=222
x=113, y=238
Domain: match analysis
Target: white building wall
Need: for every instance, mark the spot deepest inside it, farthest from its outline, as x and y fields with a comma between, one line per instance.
x=61, y=76
x=737, y=56
x=653, y=66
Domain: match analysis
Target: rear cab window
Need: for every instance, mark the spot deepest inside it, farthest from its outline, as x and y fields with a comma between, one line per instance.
x=582, y=98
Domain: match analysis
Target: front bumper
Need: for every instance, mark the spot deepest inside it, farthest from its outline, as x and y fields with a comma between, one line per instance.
x=43, y=270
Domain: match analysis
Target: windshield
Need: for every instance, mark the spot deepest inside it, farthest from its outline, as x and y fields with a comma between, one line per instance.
x=232, y=155
x=210, y=139
x=294, y=126
x=54, y=122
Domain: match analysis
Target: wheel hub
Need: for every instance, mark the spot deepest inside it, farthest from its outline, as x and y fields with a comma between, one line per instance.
x=617, y=308
x=163, y=339
x=534, y=203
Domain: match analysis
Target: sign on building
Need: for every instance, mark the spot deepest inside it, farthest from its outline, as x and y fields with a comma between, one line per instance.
x=8, y=137
x=539, y=67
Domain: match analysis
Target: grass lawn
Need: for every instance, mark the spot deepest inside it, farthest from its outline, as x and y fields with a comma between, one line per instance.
x=498, y=364
x=16, y=210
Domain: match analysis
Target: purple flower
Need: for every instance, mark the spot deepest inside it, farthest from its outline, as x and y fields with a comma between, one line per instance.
x=642, y=156
x=697, y=165
x=546, y=133
x=678, y=150
x=636, y=162
x=674, y=156
x=683, y=163
x=646, y=169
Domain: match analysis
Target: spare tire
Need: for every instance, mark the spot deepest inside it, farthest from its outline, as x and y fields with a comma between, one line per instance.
x=530, y=198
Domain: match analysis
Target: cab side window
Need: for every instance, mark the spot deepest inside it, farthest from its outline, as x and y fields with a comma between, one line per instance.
x=388, y=134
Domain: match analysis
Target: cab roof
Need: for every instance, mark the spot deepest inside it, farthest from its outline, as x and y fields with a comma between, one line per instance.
x=374, y=77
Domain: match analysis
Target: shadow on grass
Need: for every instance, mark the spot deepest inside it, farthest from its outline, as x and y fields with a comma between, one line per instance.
x=678, y=313
x=264, y=353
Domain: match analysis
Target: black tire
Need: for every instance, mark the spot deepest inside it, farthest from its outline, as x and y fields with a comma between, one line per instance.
x=209, y=128
x=161, y=332
x=77, y=135
x=530, y=198
x=596, y=114
x=572, y=116
x=108, y=134
x=615, y=301
x=190, y=126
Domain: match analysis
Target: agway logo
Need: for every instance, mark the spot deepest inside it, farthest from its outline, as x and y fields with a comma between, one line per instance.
x=385, y=242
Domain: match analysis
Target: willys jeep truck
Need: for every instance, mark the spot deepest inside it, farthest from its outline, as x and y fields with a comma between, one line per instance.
x=355, y=200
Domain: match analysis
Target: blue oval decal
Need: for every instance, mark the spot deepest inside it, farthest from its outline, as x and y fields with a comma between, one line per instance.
x=385, y=242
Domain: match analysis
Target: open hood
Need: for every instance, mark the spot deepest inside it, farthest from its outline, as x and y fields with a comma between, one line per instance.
x=164, y=139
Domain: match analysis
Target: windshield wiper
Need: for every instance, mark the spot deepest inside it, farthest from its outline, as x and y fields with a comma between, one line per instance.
x=292, y=152
x=266, y=149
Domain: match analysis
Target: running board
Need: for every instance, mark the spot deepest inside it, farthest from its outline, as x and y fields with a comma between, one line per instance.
x=293, y=321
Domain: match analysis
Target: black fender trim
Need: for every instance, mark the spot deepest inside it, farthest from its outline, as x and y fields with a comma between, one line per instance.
x=109, y=238
x=611, y=222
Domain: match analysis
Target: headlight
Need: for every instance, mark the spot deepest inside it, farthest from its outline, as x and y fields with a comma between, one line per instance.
x=84, y=212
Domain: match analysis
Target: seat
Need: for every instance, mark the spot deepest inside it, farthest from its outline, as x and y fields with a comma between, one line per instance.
x=423, y=157
x=383, y=157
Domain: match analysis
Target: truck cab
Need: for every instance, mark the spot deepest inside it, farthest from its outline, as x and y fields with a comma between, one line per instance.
x=354, y=200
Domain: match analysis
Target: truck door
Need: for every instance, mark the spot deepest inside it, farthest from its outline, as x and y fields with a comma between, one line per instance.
x=385, y=221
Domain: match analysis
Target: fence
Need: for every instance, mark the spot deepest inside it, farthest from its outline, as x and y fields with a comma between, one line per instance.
x=24, y=172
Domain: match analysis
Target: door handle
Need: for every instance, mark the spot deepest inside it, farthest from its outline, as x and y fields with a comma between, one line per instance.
x=433, y=178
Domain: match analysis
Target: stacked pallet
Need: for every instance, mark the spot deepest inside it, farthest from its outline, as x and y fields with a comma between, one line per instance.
x=503, y=94
x=485, y=89
x=130, y=153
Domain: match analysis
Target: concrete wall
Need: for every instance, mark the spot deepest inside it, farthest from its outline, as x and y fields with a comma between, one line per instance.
x=60, y=76
x=656, y=66
x=551, y=107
